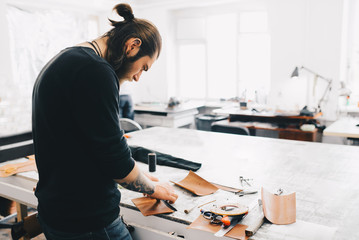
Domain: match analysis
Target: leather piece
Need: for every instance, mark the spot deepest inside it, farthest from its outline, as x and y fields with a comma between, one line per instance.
x=13, y=168
x=150, y=206
x=197, y=185
x=279, y=209
x=238, y=232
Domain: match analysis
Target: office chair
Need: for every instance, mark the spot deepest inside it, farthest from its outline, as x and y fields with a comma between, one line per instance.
x=225, y=127
x=129, y=125
x=27, y=229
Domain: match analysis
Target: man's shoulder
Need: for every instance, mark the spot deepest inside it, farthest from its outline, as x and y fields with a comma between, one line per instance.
x=84, y=61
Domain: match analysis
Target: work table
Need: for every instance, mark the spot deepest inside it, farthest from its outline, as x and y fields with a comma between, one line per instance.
x=325, y=178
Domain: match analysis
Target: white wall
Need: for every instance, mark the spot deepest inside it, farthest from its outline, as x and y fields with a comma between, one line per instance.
x=5, y=73
x=303, y=32
x=154, y=85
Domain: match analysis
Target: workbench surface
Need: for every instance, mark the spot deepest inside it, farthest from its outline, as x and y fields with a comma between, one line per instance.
x=325, y=178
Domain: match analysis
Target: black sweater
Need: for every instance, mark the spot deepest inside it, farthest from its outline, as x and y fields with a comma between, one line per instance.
x=79, y=146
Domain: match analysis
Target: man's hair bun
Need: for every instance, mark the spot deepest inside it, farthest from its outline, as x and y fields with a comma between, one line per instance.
x=125, y=11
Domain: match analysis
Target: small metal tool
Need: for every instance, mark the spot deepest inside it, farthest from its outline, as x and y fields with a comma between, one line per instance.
x=279, y=191
x=246, y=192
x=169, y=205
x=243, y=180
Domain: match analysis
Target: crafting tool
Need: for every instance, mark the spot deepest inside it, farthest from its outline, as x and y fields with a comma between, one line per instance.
x=245, y=180
x=187, y=211
x=279, y=192
x=234, y=221
x=230, y=210
x=169, y=205
x=227, y=220
x=232, y=214
x=246, y=192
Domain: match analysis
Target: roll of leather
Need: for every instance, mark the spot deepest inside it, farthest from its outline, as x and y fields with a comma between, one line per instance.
x=140, y=154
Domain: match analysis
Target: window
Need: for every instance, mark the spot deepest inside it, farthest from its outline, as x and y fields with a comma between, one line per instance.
x=222, y=46
x=230, y=55
x=192, y=71
x=353, y=54
x=36, y=36
x=253, y=55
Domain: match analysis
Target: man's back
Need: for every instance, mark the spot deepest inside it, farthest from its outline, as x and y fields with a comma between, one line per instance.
x=79, y=147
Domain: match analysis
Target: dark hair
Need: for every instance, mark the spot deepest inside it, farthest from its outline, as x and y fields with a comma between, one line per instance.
x=131, y=27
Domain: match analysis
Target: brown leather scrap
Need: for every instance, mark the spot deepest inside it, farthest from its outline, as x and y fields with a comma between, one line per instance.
x=238, y=232
x=197, y=185
x=279, y=209
x=150, y=206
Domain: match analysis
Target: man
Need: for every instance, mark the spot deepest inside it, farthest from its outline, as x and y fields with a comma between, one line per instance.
x=81, y=153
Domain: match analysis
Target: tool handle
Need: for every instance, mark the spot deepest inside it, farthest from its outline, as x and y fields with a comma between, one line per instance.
x=227, y=220
x=187, y=211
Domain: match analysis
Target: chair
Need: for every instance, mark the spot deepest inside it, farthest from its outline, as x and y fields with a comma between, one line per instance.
x=27, y=229
x=129, y=125
x=225, y=126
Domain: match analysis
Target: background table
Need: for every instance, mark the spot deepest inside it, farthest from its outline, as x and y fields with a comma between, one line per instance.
x=161, y=115
x=283, y=125
x=344, y=127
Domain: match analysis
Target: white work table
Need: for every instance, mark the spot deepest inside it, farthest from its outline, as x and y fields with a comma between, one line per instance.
x=164, y=116
x=344, y=127
x=325, y=178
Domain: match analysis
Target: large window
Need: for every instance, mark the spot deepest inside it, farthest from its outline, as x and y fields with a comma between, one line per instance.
x=37, y=35
x=353, y=53
x=223, y=56
x=192, y=74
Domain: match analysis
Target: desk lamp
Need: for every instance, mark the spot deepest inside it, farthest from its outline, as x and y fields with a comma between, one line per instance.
x=316, y=75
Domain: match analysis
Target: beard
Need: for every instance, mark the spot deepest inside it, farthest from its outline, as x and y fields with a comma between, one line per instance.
x=126, y=66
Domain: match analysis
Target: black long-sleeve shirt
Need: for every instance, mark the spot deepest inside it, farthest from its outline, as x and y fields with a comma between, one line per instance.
x=79, y=146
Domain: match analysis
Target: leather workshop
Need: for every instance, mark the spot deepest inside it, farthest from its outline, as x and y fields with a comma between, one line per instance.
x=176, y=119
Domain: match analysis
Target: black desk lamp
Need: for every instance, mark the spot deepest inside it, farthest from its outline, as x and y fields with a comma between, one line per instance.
x=316, y=75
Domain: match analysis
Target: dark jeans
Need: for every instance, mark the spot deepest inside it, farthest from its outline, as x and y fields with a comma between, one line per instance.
x=115, y=231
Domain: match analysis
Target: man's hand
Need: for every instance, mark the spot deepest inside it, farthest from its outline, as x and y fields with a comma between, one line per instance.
x=145, y=183
x=165, y=192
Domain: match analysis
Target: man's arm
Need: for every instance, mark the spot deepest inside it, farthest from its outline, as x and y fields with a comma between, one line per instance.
x=139, y=182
